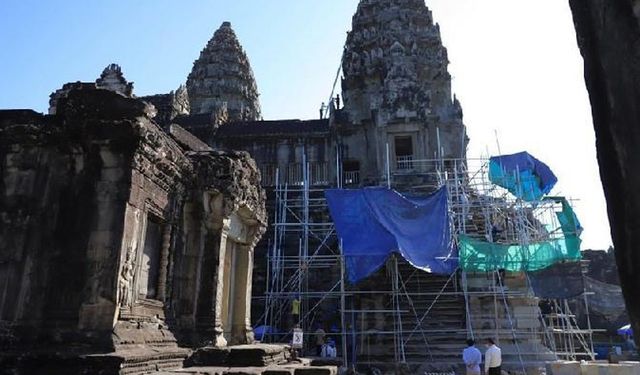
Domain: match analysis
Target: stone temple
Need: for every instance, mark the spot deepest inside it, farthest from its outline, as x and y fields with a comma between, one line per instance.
x=134, y=229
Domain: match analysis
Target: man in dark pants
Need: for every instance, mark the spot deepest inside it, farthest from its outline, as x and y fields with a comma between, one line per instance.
x=492, y=358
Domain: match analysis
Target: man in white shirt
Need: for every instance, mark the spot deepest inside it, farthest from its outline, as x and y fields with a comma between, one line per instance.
x=472, y=358
x=492, y=358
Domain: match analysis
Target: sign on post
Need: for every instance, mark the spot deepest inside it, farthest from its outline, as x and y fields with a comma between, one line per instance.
x=296, y=343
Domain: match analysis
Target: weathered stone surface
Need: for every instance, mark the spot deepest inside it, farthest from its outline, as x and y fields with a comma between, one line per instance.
x=100, y=247
x=397, y=93
x=609, y=40
x=209, y=356
x=187, y=140
x=395, y=64
x=563, y=368
x=279, y=371
x=316, y=370
x=169, y=106
x=222, y=79
x=602, y=266
x=243, y=371
x=257, y=355
x=327, y=362
x=113, y=79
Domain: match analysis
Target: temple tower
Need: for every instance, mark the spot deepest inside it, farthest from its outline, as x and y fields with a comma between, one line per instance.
x=397, y=90
x=222, y=79
x=113, y=79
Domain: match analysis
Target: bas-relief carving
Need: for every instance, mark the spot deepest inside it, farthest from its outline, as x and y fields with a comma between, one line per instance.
x=125, y=282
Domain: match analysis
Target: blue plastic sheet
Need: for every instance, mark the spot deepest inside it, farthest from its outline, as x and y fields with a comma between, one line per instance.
x=523, y=175
x=375, y=222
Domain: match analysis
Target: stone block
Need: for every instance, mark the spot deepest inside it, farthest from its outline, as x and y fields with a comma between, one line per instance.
x=195, y=371
x=527, y=323
x=278, y=370
x=593, y=368
x=326, y=362
x=564, y=368
x=186, y=139
x=316, y=370
x=256, y=355
x=208, y=356
x=527, y=311
x=244, y=371
x=633, y=364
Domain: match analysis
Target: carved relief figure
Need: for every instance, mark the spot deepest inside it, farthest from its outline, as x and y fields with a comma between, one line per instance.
x=125, y=280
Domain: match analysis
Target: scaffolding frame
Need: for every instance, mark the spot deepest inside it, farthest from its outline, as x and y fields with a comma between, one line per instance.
x=475, y=205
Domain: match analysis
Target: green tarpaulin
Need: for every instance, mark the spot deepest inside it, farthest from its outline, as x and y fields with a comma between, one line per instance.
x=480, y=255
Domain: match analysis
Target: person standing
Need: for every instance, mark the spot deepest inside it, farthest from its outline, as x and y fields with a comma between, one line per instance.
x=320, y=335
x=472, y=358
x=329, y=349
x=492, y=358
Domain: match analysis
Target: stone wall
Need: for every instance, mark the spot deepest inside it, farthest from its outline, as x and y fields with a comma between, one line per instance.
x=118, y=240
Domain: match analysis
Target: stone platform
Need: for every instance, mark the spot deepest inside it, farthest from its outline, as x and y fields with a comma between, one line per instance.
x=593, y=368
x=257, y=355
x=258, y=359
x=290, y=369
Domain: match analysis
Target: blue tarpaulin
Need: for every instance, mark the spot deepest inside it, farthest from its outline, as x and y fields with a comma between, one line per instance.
x=374, y=222
x=523, y=175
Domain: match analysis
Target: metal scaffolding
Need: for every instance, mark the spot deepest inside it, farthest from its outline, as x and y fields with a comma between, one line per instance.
x=409, y=309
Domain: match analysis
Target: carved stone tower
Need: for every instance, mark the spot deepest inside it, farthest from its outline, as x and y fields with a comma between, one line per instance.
x=113, y=79
x=222, y=79
x=397, y=89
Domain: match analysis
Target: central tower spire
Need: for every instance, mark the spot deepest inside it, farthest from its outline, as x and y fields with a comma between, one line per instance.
x=395, y=64
x=397, y=91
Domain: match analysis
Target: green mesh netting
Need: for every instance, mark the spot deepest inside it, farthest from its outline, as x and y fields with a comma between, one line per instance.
x=479, y=255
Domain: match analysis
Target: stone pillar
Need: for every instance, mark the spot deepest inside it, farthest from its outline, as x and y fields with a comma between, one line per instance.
x=221, y=289
x=245, y=272
x=164, y=262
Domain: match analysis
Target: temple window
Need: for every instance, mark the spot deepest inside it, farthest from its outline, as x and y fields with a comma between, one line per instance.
x=351, y=172
x=403, y=146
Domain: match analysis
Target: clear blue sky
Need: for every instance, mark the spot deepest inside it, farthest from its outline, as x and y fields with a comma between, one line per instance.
x=516, y=67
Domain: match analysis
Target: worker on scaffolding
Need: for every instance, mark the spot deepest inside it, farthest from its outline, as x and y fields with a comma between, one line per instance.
x=472, y=358
x=295, y=311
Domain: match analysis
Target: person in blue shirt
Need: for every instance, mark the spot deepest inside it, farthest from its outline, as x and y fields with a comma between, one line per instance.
x=472, y=358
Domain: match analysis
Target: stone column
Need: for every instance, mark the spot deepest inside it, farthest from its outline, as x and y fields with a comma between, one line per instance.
x=164, y=262
x=221, y=288
x=246, y=277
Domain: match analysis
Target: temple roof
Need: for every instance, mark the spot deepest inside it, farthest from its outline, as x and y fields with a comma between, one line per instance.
x=273, y=128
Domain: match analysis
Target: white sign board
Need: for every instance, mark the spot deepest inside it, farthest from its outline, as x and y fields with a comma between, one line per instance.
x=296, y=343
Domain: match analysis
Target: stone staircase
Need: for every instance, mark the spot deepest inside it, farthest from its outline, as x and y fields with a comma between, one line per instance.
x=511, y=316
x=435, y=345
x=431, y=342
